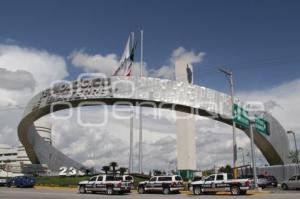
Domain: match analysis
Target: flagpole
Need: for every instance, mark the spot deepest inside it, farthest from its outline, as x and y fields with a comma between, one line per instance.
x=131, y=122
x=141, y=115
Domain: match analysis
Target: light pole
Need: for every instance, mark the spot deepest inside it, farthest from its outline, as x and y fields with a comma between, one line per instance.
x=141, y=114
x=242, y=149
x=296, y=148
x=253, y=154
x=230, y=78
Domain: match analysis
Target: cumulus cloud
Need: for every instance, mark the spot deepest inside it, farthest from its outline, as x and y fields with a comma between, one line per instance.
x=95, y=63
x=21, y=68
x=109, y=63
x=179, y=57
x=182, y=57
x=16, y=80
x=44, y=66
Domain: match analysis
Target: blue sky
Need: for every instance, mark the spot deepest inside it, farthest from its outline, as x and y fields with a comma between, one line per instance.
x=258, y=40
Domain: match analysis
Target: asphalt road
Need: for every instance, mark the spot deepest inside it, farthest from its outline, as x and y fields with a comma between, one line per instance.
x=47, y=193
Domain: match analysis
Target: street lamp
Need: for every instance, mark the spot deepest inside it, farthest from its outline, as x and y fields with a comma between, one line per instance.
x=296, y=148
x=242, y=149
x=230, y=78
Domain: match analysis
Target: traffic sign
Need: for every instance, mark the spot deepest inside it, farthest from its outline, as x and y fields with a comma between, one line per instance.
x=262, y=126
x=241, y=116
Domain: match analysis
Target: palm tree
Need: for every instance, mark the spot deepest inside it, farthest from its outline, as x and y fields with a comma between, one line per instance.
x=105, y=169
x=114, y=165
x=122, y=170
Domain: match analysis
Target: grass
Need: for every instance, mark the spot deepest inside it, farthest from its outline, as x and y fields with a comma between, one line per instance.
x=56, y=181
x=60, y=181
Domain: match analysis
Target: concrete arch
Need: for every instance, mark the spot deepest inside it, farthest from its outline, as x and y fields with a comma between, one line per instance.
x=161, y=93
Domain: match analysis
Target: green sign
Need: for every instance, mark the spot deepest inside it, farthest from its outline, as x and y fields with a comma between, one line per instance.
x=262, y=125
x=241, y=116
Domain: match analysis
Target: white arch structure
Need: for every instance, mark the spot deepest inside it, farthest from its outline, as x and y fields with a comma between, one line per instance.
x=140, y=91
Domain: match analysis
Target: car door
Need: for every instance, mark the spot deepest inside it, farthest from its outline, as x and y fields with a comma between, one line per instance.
x=209, y=183
x=151, y=184
x=292, y=182
x=297, y=183
x=220, y=183
x=159, y=182
x=99, y=186
x=90, y=186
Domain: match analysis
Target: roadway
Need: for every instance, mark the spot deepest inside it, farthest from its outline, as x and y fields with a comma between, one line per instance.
x=56, y=193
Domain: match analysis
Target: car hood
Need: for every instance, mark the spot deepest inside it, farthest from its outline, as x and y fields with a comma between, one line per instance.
x=197, y=182
x=144, y=182
x=83, y=182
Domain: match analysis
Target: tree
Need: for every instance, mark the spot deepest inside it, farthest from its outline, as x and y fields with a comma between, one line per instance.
x=105, y=169
x=228, y=169
x=114, y=165
x=157, y=172
x=122, y=170
x=221, y=169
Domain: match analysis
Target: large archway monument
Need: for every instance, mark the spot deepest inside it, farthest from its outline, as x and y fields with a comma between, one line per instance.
x=144, y=91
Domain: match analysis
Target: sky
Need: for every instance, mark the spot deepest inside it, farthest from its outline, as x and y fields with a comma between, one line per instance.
x=42, y=41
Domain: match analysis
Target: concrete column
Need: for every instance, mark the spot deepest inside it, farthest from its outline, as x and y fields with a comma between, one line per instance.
x=185, y=128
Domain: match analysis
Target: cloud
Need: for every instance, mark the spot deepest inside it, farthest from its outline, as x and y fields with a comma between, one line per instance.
x=23, y=73
x=43, y=66
x=17, y=80
x=109, y=63
x=95, y=63
x=179, y=57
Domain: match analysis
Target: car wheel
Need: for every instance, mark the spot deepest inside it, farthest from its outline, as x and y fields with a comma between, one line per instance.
x=166, y=190
x=109, y=191
x=235, y=190
x=284, y=187
x=243, y=192
x=197, y=190
x=82, y=189
x=141, y=190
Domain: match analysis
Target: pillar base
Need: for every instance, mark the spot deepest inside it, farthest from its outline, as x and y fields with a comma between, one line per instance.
x=186, y=174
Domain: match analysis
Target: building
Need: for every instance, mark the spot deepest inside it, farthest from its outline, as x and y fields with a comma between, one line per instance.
x=12, y=160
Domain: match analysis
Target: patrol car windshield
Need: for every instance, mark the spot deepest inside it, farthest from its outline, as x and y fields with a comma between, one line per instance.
x=153, y=179
x=93, y=179
x=210, y=178
x=100, y=178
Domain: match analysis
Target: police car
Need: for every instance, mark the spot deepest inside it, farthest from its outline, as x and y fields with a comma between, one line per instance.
x=164, y=184
x=221, y=182
x=104, y=183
